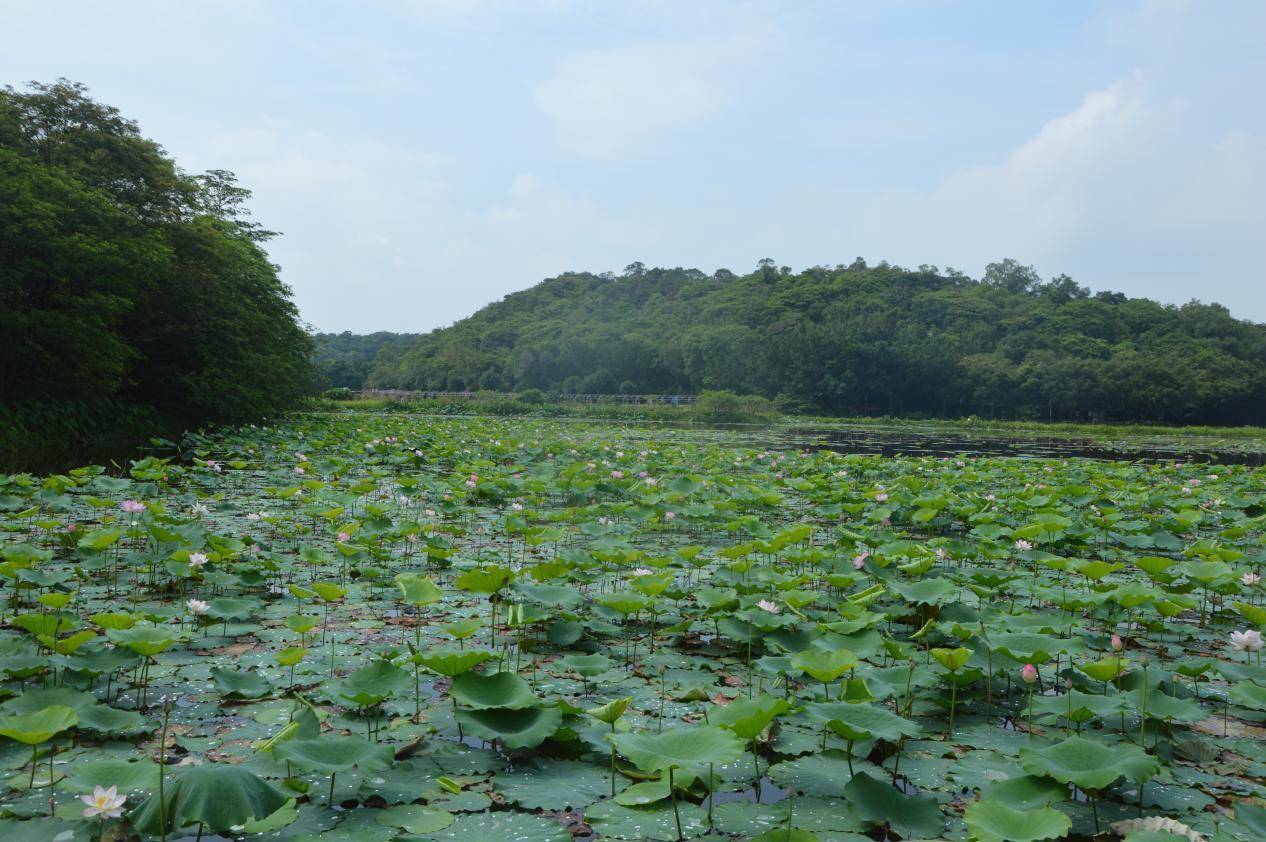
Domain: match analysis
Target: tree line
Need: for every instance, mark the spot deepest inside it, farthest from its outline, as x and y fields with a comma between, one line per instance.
x=125, y=280
x=856, y=338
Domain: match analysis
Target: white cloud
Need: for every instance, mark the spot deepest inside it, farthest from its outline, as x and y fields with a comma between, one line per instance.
x=611, y=103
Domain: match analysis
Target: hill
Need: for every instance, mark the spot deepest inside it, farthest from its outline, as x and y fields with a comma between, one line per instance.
x=343, y=360
x=858, y=339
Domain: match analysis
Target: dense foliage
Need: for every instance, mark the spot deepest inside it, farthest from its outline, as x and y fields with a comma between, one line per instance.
x=343, y=360
x=858, y=339
x=352, y=627
x=123, y=278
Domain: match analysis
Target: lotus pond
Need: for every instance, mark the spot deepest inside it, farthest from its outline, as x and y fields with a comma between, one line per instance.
x=360, y=627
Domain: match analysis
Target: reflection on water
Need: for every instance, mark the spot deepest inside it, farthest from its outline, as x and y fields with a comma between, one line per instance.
x=908, y=441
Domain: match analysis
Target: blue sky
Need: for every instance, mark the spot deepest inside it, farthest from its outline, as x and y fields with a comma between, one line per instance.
x=424, y=157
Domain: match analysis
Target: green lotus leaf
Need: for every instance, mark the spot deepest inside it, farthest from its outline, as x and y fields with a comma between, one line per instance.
x=1089, y=764
x=487, y=580
x=334, y=754
x=515, y=729
x=824, y=665
x=218, y=797
x=40, y=726
x=952, y=659
x=104, y=719
x=878, y=803
x=1249, y=695
x=993, y=821
x=414, y=818
x=495, y=690
x=417, y=589
x=241, y=684
x=232, y=608
x=374, y=683
x=862, y=721
x=680, y=748
x=748, y=718
x=453, y=662
x=144, y=640
x=587, y=666
x=611, y=711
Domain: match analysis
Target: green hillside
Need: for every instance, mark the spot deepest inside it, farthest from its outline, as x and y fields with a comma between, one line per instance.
x=857, y=338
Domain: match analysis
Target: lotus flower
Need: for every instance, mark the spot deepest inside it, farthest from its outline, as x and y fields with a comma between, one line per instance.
x=106, y=803
x=1250, y=579
x=617, y=475
x=343, y=537
x=1117, y=643
x=1246, y=641
x=132, y=507
x=643, y=571
x=670, y=516
x=881, y=497
x=1029, y=673
x=766, y=605
x=197, y=606
x=197, y=559
x=1023, y=545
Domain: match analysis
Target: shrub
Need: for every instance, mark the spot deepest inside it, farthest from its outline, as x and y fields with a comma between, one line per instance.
x=533, y=396
x=727, y=407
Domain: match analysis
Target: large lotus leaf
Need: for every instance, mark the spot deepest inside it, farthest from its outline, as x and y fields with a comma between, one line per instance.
x=373, y=683
x=334, y=754
x=232, y=608
x=107, y=720
x=824, y=665
x=554, y=784
x=497, y=690
x=1089, y=764
x=1166, y=707
x=683, y=748
x=38, y=698
x=747, y=718
x=243, y=684
x=821, y=773
x=484, y=580
x=502, y=827
x=137, y=774
x=551, y=595
x=146, y=640
x=587, y=666
x=651, y=822
x=993, y=821
x=1078, y=706
x=453, y=662
x=1025, y=792
x=1030, y=648
x=925, y=591
x=517, y=728
x=878, y=803
x=414, y=818
x=38, y=727
x=220, y=797
x=1249, y=695
x=861, y=721
x=418, y=589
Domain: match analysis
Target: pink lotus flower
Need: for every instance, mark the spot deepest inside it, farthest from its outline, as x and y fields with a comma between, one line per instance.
x=1029, y=673
x=132, y=507
x=617, y=475
x=670, y=516
x=881, y=497
x=859, y=561
x=70, y=527
x=343, y=537
x=766, y=605
x=1246, y=641
x=106, y=803
x=1117, y=643
x=1250, y=579
x=299, y=469
x=1023, y=545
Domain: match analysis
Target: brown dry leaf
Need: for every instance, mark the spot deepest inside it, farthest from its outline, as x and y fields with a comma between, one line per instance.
x=732, y=681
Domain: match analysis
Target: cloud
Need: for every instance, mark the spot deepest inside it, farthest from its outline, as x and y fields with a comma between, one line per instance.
x=612, y=103
x=1128, y=190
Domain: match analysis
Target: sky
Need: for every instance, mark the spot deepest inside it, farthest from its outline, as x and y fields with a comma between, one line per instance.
x=425, y=157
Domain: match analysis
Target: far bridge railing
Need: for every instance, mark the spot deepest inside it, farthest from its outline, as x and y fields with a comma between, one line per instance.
x=645, y=400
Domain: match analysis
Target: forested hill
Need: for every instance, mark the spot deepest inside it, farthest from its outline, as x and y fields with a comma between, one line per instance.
x=343, y=360
x=858, y=338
